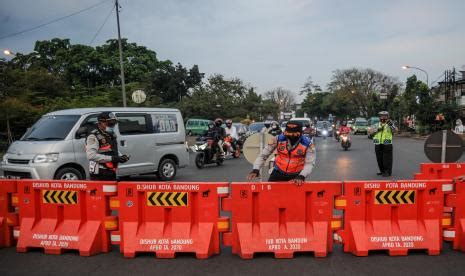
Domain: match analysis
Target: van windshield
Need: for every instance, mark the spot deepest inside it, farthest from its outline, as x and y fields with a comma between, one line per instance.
x=51, y=128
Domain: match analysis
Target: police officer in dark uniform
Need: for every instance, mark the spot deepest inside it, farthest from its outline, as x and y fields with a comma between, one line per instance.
x=102, y=149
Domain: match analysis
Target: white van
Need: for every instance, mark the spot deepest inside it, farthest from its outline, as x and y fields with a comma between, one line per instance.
x=53, y=148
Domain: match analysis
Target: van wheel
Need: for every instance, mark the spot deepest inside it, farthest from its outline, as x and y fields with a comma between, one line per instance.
x=166, y=170
x=69, y=173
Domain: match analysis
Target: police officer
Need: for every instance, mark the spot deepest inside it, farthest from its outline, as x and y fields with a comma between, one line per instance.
x=383, y=144
x=102, y=149
x=295, y=156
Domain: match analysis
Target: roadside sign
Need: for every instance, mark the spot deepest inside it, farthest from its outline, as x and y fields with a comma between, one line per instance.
x=138, y=96
x=443, y=147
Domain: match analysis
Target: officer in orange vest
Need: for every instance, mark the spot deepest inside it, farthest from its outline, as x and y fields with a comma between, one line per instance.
x=295, y=156
x=102, y=149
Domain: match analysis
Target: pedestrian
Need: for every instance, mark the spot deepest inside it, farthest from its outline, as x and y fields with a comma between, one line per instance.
x=383, y=144
x=295, y=156
x=458, y=127
x=102, y=149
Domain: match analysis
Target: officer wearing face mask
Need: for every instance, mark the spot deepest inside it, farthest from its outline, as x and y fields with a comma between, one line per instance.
x=295, y=156
x=102, y=149
x=383, y=144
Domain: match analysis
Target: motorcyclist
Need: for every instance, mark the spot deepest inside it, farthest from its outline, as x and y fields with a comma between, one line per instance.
x=274, y=129
x=344, y=129
x=102, y=149
x=220, y=133
x=295, y=156
x=231, y=131
x=308, y=130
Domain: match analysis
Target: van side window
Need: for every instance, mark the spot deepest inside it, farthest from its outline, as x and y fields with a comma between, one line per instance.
x=165, y=123
x=130, y=124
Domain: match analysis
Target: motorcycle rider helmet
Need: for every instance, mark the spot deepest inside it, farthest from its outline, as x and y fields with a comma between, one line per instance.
x=218, y=122
x=268, y=123
x=228, y=123
x=274, y=125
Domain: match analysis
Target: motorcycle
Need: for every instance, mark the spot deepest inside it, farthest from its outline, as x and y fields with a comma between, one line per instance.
x=336, y=135
x=232, y=143
x=207, y=152
x=324, y=133
x=345, y=141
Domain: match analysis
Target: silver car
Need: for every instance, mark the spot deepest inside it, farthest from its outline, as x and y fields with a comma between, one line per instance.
x=54, y=147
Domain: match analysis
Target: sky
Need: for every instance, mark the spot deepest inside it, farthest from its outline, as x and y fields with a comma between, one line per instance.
x=266, y=43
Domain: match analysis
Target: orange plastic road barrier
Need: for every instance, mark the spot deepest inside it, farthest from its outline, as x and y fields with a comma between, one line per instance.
x=8, y=216
x=429, y=171
x=166, y=218
x=282, y=218
x=456, y=200
x=395, y=216
x=65, y=215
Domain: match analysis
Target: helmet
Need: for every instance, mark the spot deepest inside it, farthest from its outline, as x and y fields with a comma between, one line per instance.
x=293, y=129
x=383, y=114
x=218, y=121
x=107, y=117
x=274, y=125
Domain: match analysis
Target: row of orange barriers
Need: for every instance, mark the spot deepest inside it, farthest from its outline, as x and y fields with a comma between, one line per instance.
x=277, y=218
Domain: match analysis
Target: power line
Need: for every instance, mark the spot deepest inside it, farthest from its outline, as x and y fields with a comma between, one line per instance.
x=101, y=26
x=52, y=21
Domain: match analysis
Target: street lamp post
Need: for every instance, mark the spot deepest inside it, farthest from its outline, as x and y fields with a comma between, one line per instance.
x=10, y=53
x=405, y=67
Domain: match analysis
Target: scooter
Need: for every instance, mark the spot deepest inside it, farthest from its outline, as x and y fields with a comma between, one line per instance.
x=345, y=141
x=324, y=133
x=336, y=135
x=207, y=152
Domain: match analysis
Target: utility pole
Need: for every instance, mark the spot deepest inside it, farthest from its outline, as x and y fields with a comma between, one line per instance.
x=123, y=86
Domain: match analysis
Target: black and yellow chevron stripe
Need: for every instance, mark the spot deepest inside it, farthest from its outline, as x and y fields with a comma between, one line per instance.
x=167, y=199
x=59, y=197
x=395, y=196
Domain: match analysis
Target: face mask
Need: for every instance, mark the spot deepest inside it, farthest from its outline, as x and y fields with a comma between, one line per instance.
x=218, y=124
x=293, y=139
x=110, y=130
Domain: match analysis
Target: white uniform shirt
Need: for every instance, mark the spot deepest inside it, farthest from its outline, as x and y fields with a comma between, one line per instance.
x=231, y=132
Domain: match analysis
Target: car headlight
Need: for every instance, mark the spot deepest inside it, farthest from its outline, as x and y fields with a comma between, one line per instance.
x=202, y=147
x=5, y=159
x=45, y=158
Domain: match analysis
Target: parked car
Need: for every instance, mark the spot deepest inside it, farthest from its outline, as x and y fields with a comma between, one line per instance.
x=197, y=126
x=360, y=126
x=372, y=126
x=54, y=147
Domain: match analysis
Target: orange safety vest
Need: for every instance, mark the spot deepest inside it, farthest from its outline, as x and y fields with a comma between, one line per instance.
x=293, y=161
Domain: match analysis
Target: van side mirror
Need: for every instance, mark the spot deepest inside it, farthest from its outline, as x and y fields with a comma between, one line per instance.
x=81, y=133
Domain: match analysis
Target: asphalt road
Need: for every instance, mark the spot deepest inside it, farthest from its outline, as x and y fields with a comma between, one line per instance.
x=332, y=164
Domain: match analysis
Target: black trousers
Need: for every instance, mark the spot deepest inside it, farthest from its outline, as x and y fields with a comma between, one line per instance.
x=104, y=175
x=277, y=176
x=384, y=158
